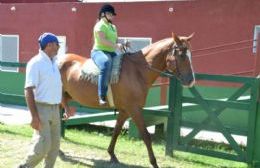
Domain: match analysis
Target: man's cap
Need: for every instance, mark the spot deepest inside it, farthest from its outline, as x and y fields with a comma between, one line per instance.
x=46, y=38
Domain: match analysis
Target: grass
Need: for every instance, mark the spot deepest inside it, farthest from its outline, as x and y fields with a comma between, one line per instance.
x=83, y=148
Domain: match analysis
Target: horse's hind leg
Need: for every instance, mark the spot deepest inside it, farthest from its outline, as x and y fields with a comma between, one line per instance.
x=122, y=116
x=139, y=121
x=65, y=99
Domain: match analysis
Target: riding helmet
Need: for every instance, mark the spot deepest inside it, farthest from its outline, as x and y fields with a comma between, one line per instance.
x=107, y=8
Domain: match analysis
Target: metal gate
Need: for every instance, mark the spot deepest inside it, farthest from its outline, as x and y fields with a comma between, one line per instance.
x=211, y=116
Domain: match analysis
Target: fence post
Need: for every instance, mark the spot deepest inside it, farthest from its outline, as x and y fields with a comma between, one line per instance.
x=256, y=146
x=173, y=123
x=255, y=158
x=163, y=89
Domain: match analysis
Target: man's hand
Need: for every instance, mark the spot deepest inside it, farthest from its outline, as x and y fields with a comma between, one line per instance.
x=29, y=97
x=36, y=123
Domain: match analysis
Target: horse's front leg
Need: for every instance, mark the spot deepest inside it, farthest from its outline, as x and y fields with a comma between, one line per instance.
x=122, y=116
x=138, y=119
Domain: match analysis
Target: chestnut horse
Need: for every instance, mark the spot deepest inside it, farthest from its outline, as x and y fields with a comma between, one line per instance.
x=139, y=71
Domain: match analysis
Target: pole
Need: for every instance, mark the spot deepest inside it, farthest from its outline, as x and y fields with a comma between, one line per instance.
x=257, y=59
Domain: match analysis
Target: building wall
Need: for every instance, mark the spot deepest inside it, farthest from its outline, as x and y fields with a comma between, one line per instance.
x=35, y=1
x=215, y=22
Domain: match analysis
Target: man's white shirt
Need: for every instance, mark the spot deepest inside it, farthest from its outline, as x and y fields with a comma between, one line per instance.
x=43, y=74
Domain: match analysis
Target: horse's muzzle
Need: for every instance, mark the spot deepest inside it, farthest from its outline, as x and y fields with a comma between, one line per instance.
x=187, y=80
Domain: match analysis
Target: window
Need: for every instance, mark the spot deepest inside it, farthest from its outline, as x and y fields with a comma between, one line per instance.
x=9, y=51
x=256, y=33
x=137, y=43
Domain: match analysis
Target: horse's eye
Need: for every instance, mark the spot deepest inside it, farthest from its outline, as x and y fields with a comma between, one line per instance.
x=183, y=53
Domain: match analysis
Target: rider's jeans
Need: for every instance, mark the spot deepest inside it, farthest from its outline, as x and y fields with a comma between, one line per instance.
x=104, y=62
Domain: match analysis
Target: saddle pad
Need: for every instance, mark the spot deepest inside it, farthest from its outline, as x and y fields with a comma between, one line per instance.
x=90, y=71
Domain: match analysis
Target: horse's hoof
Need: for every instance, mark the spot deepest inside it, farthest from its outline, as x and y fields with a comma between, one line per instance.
x=155, y=166
x=114, y=160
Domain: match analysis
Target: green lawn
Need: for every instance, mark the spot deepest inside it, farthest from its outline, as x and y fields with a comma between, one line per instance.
x=87, y=148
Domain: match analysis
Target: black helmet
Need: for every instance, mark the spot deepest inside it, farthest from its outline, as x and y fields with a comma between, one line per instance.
x=107, y=8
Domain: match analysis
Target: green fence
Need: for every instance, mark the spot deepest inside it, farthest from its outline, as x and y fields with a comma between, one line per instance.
x=233, y=114
x=11, y=85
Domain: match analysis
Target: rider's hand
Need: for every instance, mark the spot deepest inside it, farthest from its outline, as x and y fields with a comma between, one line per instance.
x=119, y=46
x=127, y=44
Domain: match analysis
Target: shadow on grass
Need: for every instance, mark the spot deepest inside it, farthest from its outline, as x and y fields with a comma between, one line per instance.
x=196, y=162
x=15, y=133
x=72, y=159
x=93, y=146
x=157, y=138
x=105, y=164
x=97, y=163
x=202, y=163
x=83, y=144
x=92, y=129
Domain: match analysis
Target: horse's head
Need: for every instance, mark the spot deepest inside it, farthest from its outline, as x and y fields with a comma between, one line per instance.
x=178, y=61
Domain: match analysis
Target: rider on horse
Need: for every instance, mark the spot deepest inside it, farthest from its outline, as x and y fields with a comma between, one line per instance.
x=105, y=45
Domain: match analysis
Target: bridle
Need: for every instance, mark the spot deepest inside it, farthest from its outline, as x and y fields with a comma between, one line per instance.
x=171, y=55
x=164, y=73
x=175, y=49
x=171, y=58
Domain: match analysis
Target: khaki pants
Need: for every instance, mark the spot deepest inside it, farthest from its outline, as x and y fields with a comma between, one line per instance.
x=46, y=142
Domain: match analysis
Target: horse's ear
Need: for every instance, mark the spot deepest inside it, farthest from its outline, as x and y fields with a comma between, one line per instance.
x=190, y=36
x=176, y=38
x=187, y=38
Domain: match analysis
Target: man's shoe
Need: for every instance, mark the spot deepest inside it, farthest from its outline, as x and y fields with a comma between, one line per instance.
x=102, y=101
x=23, y=166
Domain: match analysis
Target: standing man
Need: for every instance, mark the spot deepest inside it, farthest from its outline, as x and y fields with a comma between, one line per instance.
x=43, y=94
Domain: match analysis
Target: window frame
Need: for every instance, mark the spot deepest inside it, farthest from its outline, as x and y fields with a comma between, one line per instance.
x=135, y=38
x=256, y=32
x=15, y=69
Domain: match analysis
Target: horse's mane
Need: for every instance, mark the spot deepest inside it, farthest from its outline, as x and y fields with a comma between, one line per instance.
x=167, y=42
x=139, y=56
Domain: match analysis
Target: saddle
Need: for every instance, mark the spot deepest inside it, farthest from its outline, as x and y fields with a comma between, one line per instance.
x=90, y=71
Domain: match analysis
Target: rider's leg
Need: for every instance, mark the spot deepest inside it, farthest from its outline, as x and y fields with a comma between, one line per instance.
x=104, y=63
x=109, y=68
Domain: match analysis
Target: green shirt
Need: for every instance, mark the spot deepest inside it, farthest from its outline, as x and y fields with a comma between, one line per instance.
x=110, y=34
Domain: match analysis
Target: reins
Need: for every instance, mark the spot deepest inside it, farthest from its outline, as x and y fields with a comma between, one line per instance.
x=164, y=73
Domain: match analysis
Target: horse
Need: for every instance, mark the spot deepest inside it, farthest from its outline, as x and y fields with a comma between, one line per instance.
x=138, y=72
